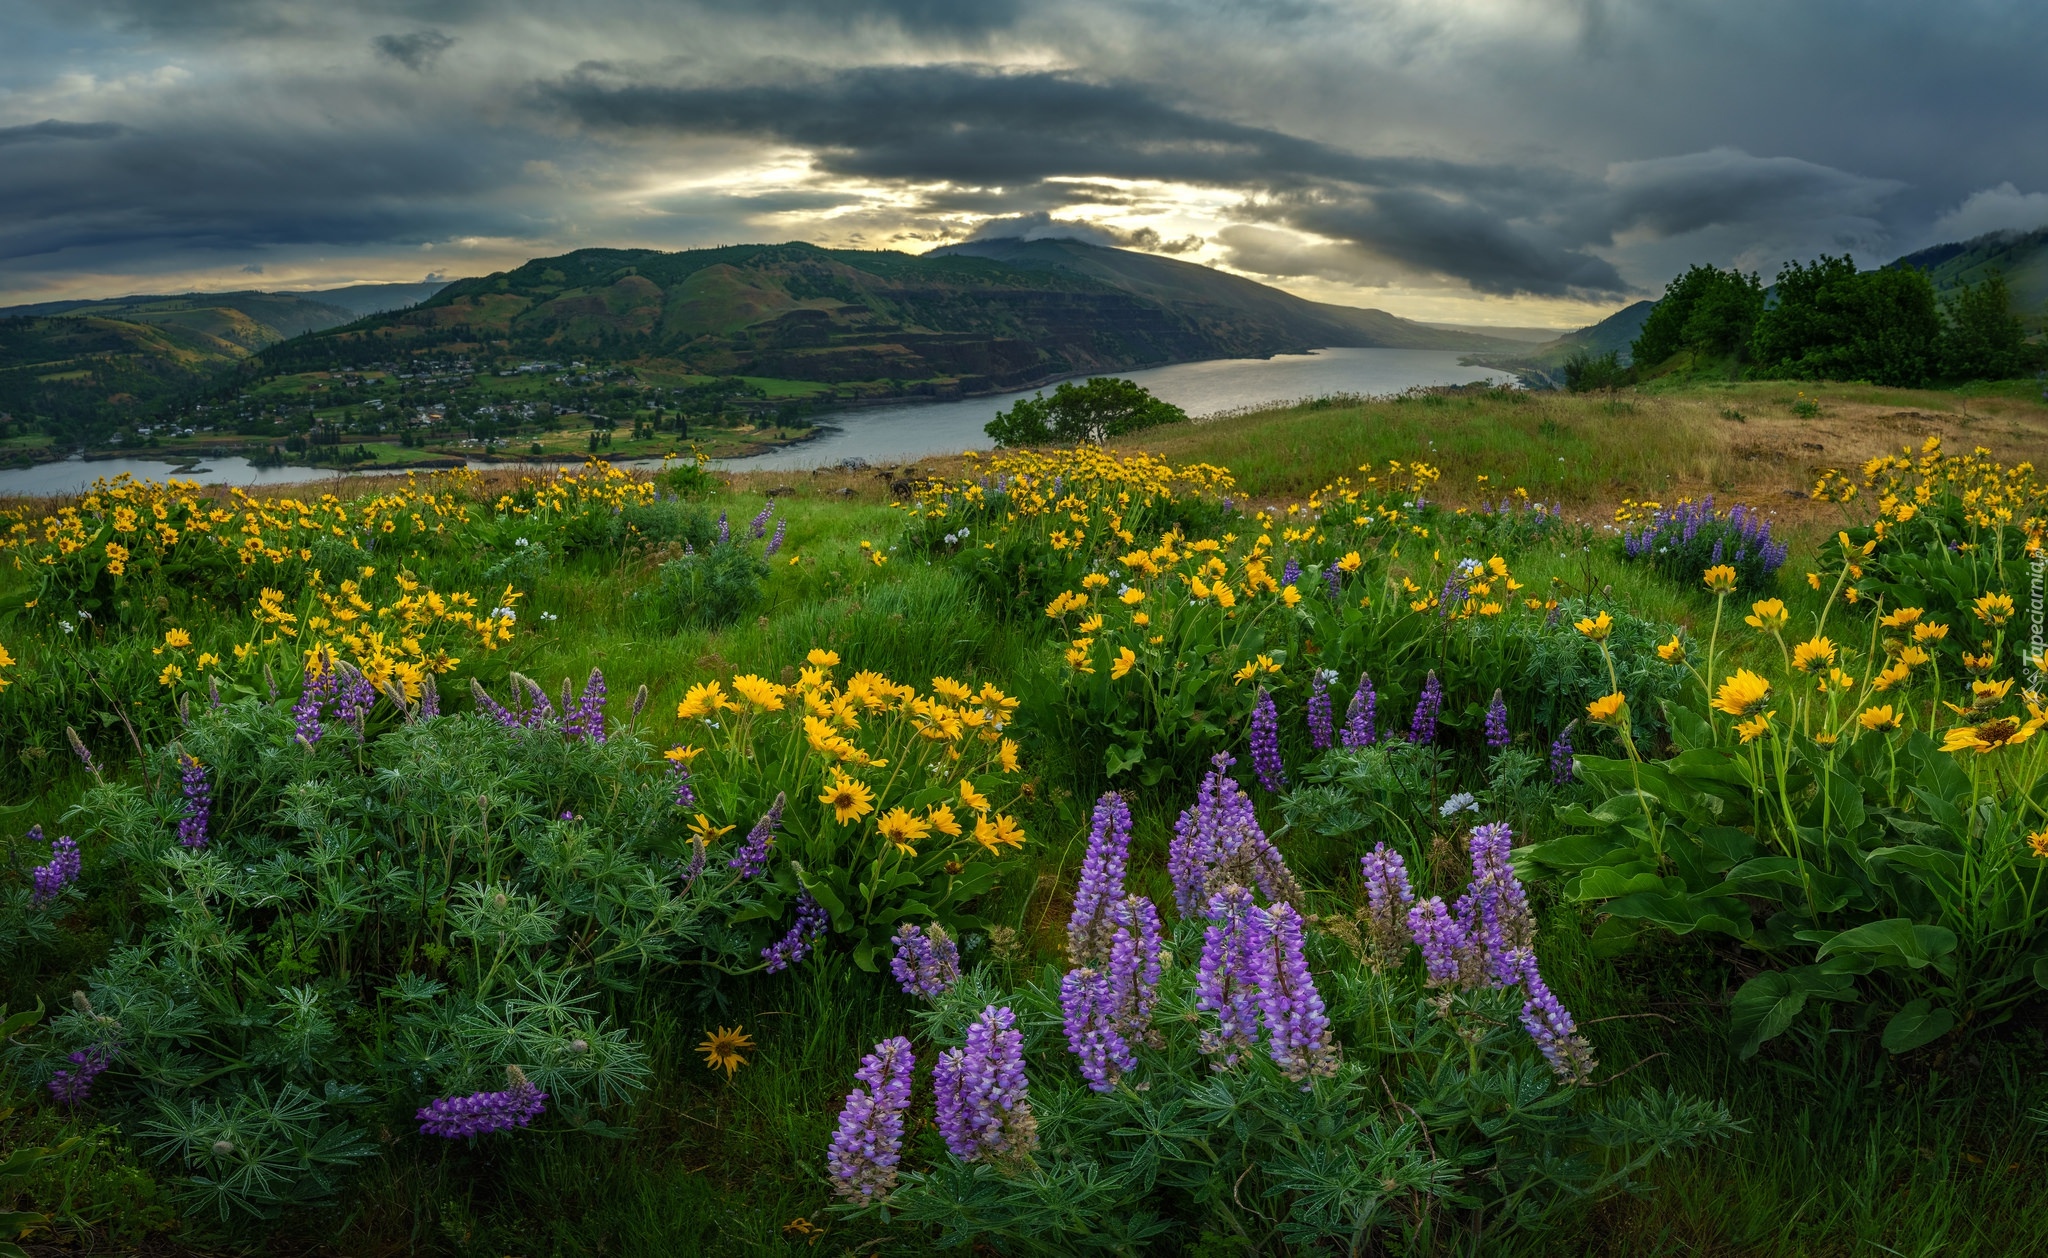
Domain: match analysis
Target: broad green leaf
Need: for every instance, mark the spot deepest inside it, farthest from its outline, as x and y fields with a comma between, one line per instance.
x=1117, y=759
x=1606, y=882
x=1916, y=1024
x=1768, y=1003
x=1895, y=940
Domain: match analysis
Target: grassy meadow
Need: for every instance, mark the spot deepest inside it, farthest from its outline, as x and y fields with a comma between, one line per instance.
x=1832, y=1144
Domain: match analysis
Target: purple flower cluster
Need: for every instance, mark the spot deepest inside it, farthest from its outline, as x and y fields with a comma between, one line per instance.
x=679, y=775
x=1388, y=898
x=983, y=1112
x=1297, y=1027
x=1109, y=1004
x=1265, y=744
x=1360, y=722
x=869, y=1142
x=724, y=530
x=692, y=871
x=1550, y=1024
x=927, y=962
x=759, y=524
x=70, y=1085
x=811, y=923
x=1218, y=841
x=1422, y=728
x=1497, y=733
x=1089, y=1015
x=491, y=707
x=1472, y=943
x=1561, y=770
x=60, y=873
x=1321, y=723
x=1226, y=982
x=354, y=697
x=752, y=857
x=322, y=681
x=198, y=802
x=83, y=752
x=1102, y=880
x=430, y=698
x=586, y=719
x=775, y=542
x=1291, y=572
x=1333, y=577
x=481, y=1113
x=1699, y=536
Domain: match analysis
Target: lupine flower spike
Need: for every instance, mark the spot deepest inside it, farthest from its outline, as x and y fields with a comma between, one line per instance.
x=1265, y=744
x=983, y=1111
x=1388, y=898
x=1296, y=1025
x=198, y=802
x=1320, y=721
x=927, y=962
x=1422, y=728
x=1497, y=735
x=1102, y=881
x=1359, y=720
x=869, y=1142
x=51, y=879
x=1226, y=983
x=752, y=857
x=481, y=1113
x=811, y=924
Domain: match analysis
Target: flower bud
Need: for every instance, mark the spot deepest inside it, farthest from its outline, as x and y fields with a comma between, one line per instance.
x=579, y=1047
x=221, y=1148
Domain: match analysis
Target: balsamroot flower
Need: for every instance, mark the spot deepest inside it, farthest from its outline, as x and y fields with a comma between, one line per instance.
x=1265, y=744
x=70, y=1085
x=869, y=1142
x=1321, y=725
x=586, y=719
x=1102, y=881
x=811, y=924
x=752, y=857
x=1422, y=727
x=1497, y=734
x=198, y=802
x=1388, y=899
x=481, y=1113
x=1226, y=982
x=1360, y=729
x=1296, y=1026
x=60, y=873
x=927, y=962
x=1550, y=1024
x=983, y=1112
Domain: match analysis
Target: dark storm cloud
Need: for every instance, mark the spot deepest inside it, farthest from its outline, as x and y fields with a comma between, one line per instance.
x=52, y=129
x=416, y=51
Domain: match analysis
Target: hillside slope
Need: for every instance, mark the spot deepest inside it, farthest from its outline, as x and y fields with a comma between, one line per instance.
x=1542, y=366
x=976, y=318
x=2022, y=256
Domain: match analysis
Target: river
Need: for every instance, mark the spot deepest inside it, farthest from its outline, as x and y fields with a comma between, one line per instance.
x=907, y=430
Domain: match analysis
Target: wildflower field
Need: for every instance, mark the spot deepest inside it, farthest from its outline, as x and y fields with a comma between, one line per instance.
x=1076, y=851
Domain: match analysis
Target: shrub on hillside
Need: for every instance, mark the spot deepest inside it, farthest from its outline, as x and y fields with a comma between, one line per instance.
x=1094, y=411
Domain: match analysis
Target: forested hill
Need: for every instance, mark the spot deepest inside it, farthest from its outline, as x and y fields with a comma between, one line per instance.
x=2021, y=257
x=992, y=315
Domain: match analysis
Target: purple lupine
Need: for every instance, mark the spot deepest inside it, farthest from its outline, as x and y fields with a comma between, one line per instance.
x=1226, y=983
x=1102, y=880
x=1551, y=1025
x=1449, y=956
x=752, y=857
x=354, y=698
x=1135, y=964
x=430, y=698
x=927, y=962
x=60, y=873
x=1422, y=728
x=79, y=749
x=695, y=869
x=1333, y=578
x=724, y=530
x=759, y=524
x=1360, y=721
x=198, y=802
x=1298, y=1030
x=1218, y=840
x=1494, y=909
x=1388, y=899
x=1088, y=1013
x=1291, y=572
x=679, y=774
x=775, y=542
x=481, y=1113
x=811, y=923
x=1265, y=744
x=1561, y=769
x=586, y=720
x=983, y=1111
x=1497, y=734
x=317, y=689
x=540, y=711
x=1321, y=724
x=491, y=707
x=70, y=1085
x=869, y=1141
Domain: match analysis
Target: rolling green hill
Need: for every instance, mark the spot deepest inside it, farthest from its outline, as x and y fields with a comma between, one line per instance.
x=2022, y=256
x=970, y=318
x=1542, y=366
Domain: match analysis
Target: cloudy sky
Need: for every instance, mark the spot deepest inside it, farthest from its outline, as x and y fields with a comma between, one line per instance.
x=1484, y=161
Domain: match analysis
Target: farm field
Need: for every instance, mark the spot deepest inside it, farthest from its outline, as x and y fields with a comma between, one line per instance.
x=1420, y=825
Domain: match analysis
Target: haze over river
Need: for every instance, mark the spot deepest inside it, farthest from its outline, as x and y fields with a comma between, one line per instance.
x=908, y=430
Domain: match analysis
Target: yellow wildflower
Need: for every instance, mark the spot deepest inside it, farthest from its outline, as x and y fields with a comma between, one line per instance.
x=1122, y=664
x=848, y=799
x=1768, y=615
x=1606, y=708
x=1596, y=627
x=1813, y=655
x=1878, y=720
x=1742, y=694
x=1720, y=579
x=1672, y=652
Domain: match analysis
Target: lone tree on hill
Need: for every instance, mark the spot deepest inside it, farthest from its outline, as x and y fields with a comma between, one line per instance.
x=1095, y=411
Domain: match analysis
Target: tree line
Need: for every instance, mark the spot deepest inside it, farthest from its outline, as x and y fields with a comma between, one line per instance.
x=1827, y=320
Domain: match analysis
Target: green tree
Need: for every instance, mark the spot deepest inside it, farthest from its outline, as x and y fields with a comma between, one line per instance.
x=1706, y=310
x=1097, y=410
x=1584, y=373
x=1982, y=339
x=1831, y=321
